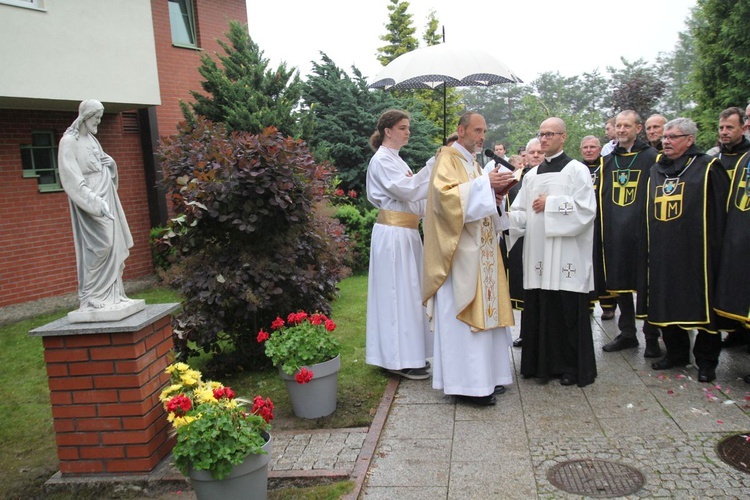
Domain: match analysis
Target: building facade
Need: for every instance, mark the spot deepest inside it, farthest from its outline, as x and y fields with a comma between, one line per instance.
x=140, y=58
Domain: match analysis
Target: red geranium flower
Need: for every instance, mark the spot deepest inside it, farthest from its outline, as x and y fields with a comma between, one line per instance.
x=339, y=192
x=304, y=376
x=263, y=407
x=352, y=194
x=262, y=335
x=330, y=325
x=224, y=392
x=179, y=405
x=277, y=323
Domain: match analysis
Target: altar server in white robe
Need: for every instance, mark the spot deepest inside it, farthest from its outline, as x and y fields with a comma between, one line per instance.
x=554, y=212
x=465, y=288
x=398, y=337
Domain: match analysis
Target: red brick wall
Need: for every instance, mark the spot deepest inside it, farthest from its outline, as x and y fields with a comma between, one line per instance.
x=178, y=67
x=38, y=258
x=37, y=251
x=104, y=389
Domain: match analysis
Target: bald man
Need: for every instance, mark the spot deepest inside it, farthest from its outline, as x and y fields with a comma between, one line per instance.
x=554, y=212
x=654, y=130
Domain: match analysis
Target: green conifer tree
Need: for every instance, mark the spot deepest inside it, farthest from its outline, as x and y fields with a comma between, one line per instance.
x=244, y=93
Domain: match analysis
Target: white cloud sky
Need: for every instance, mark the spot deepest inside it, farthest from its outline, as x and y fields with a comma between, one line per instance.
x=530, y=37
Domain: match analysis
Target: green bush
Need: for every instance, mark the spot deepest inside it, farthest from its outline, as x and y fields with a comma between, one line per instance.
x=251, y=239
x=358, y=223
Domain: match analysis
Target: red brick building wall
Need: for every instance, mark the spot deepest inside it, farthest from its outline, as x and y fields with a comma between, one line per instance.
x=178, y=67
x=37, y=251
x=36, y=240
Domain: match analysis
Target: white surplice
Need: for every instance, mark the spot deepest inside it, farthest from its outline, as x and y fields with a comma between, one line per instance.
x=558, y=241
x=465, y=362
x=398, y=334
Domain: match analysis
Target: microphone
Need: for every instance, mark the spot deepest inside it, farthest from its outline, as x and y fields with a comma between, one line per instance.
x=491, y=155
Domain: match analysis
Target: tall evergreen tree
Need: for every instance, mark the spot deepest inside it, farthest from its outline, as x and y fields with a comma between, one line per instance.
x=244, y=93
x=721, y=74
x=345, y=113
x=400, y=33
x=674, y=70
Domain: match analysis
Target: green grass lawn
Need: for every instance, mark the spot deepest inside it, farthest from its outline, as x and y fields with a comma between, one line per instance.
x=27, y=440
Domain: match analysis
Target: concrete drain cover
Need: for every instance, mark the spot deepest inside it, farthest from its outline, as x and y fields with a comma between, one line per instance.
x=735, y=450
x=596, y=478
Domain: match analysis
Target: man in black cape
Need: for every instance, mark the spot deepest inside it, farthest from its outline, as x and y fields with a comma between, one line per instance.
x=686, y=214
x=622, y=201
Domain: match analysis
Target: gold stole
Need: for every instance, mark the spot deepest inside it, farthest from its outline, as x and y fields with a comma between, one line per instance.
x=480, y=286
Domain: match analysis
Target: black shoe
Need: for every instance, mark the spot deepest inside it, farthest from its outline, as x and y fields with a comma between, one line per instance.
x=734, y=339
x=746, y=378
x=478, y=400
x=568, y=379
x=666, y=363
x=412, y=373
x=706, y=374
x=499, y=389
x=608, y=314
x=620, y=343
x=652, y=349
x=518, y=342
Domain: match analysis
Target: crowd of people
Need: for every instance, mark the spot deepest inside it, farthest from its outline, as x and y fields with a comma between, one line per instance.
x=646, y=224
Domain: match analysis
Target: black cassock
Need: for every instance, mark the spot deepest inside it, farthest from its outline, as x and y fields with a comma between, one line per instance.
x=686, y=214
x=732, y=298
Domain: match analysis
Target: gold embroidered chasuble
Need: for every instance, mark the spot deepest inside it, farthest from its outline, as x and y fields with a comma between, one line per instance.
x=468, y=250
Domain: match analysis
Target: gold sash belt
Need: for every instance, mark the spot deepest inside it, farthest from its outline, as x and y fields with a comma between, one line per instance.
x=400, y=219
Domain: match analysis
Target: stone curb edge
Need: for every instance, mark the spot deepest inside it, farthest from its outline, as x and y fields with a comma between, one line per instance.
x=371, y=441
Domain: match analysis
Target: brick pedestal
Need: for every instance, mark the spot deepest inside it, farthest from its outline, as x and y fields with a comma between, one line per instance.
x=104, y=381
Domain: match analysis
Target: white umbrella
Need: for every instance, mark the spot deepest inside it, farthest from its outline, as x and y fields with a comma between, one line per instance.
x=446, y=65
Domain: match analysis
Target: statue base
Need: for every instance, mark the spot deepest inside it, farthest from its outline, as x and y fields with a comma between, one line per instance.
x=107, y=314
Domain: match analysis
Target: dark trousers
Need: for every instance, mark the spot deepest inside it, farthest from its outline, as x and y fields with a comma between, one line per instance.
x=706, y=349
x=607, y=303
x=626, y=322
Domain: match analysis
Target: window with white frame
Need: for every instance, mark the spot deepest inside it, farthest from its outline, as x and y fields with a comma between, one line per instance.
x=182, y=21
x=39, y=160
x=29, y=4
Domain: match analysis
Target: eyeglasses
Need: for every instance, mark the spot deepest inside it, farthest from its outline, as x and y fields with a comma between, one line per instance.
x=673, y=137
x=547, y=135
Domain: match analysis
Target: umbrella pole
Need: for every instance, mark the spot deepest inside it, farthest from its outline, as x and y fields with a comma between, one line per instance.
x=445, y=111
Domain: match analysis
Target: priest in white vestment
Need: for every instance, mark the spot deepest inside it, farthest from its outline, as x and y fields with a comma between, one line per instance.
x=465, y=288
x=398, y=337
x=554, y=212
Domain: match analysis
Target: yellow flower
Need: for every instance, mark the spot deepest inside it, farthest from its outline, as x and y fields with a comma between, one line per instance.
x=169, y=392
x=190, y=378
x=180, y=367
x=180, y=421
x=204, y=394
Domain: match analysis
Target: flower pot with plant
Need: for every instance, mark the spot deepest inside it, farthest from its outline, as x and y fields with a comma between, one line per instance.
x=223, y=446
x=307, y=356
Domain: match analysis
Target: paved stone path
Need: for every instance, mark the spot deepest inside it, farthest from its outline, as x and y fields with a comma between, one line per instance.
x=665, y=424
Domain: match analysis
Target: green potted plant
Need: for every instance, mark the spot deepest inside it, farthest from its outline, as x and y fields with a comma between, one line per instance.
x=221, y=445
x=308, y=358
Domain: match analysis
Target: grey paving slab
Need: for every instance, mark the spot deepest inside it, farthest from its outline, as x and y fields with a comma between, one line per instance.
x=508, y=479
x=405, y=493
x=420, y=421
x=411, y=462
